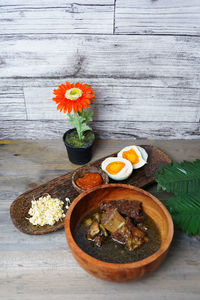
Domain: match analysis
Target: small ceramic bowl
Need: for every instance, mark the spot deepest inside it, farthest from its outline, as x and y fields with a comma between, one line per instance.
x=80, y=172
x=90, y=200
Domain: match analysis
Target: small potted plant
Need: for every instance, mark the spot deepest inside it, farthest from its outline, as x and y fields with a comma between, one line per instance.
x=74, y=99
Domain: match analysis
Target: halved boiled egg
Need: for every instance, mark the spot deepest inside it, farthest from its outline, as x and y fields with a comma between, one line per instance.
x=117, y=168
x=135, y=154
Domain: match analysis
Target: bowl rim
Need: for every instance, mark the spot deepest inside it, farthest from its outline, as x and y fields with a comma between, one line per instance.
x=117, y=266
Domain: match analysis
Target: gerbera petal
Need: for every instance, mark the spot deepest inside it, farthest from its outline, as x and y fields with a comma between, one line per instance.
x=62, y=86
x=81, y=103
x=55, y=92
x=59, y=107
x=80, y=108
x=84, y=105
x=75, y=107
x=65, y=108
x=69, y=107
x=87, y=101
x=68, y=85
x=78, y=85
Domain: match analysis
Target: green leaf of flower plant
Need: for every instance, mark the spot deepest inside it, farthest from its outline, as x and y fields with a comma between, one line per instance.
x=79, y=122
x=84, y=127
x=87, y=115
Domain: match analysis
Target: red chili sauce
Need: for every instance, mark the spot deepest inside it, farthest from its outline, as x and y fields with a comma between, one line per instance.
x=89, y=180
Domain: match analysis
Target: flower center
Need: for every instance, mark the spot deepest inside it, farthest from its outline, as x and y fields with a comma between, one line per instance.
x=73, y=94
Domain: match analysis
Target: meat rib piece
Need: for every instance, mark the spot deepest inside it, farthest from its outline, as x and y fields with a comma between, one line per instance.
x=112, y=220
x=129, y=223
x=93, y=230
x=129, y=235
x=132, y=209
x=119, y=237
x=134, y=230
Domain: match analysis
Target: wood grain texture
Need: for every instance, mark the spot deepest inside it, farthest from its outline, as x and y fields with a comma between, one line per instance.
x=157, y=17
x=62, y=188
x=158, y=79
x=43, y=267
x=96, y=56
x=59, y=16
x=103, y=129
x=112, y=103
x=144, y=54
x=102, y=81
x=12, y=103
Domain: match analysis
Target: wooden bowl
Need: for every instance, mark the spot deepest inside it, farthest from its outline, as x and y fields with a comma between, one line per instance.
x=80, y=172
x=90, y=200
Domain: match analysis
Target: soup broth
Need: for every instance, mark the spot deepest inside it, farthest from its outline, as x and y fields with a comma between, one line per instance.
x=113, y=252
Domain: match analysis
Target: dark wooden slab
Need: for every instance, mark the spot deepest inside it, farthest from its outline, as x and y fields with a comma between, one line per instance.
x=61, y=187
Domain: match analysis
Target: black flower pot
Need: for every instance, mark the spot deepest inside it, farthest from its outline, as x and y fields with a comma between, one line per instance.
x=78, y=155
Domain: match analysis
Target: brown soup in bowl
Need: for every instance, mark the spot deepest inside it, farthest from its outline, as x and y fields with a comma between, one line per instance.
x=90, y=200
x=111, y=247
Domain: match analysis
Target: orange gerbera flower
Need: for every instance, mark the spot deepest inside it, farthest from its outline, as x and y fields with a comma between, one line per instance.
x=76, y=96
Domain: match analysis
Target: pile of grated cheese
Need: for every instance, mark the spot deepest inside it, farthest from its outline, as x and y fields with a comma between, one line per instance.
x=46, y=210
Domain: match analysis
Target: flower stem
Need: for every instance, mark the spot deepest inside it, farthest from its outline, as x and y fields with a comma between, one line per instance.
x=79, y=121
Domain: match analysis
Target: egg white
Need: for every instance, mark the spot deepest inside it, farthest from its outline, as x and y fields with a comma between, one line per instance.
x=141, y=152
x=121, y=175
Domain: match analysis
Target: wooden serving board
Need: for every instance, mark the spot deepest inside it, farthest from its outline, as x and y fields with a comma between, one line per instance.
x=61, y=187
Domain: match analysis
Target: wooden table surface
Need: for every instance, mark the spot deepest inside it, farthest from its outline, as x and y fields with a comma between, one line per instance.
x=42, y=267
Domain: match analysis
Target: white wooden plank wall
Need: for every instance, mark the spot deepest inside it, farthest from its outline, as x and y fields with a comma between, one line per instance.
x=56, y=16
x=142, y=57
x=176, y=17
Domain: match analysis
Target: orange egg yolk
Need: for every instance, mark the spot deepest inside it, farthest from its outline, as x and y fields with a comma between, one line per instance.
x=132, y=156
x=115, y=167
